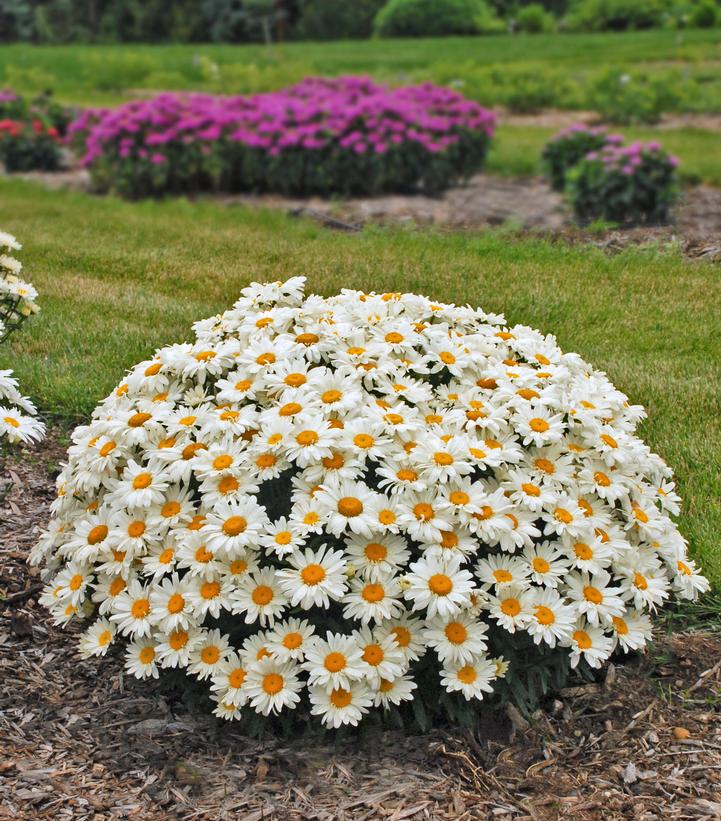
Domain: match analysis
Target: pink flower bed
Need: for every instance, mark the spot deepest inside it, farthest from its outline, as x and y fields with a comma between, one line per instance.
x=339, y=136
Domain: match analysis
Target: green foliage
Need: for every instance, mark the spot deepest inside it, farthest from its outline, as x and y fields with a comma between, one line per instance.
x=631, y=185
x=534, y=19
x=617, y=15
x=520, y=88
x=321, y=20
x=567, y=149
x=118, y=71
x=623, y=97
x=429, y=18
x=705, y=14
x=249, y=78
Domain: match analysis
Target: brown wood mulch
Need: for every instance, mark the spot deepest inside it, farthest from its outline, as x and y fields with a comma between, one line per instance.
x=80, y=740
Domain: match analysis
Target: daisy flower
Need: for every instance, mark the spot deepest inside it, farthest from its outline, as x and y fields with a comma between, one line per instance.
x=169, y=605
x=233, y=526
x=260, y=597
x=458, y=639
x=335, y=661
x=590, y=644
x=288, y=640
x=314, y=578
x=550, y=620
x=344, y=505
x=595, y=597
x=393, y=691
x=341, y=705
x=472, y=678
x=131, y=610
x=228, y=683
x=382, y=656
x=140, y=658
x=272, y=685
x=97, y=639
x=377, y=556
x=209, y=653
x=438, y=586
x=407, y=632
x=373, y=600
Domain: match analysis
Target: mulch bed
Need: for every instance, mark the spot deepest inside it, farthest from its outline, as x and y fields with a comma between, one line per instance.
x=80, y=740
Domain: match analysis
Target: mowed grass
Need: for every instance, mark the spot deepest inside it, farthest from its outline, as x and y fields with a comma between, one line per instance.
x=107, y=73
x=516, y=150
x=117, y=280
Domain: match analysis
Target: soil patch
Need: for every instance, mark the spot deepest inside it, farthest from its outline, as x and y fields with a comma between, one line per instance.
x=80, y=740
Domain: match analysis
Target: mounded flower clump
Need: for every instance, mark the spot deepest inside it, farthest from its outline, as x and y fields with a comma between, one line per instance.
x=17, y=302
x=315, y=494
x=346, y=135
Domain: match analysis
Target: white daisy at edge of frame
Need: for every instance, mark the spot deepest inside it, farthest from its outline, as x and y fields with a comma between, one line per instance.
x=341, y=705
x=140, y=658
x=97, y=639
x=438, y=586
x=595, y=597
x=632, y=630
x=550, y=620
x=472, y=679
x=314, y=578
x=272, y=685
x=590, y=644
x=208, y=655
x=393, y=691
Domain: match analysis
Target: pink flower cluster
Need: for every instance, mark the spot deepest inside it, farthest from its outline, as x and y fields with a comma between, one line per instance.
x=628, y=158
x=353, y=113
x=588, y=130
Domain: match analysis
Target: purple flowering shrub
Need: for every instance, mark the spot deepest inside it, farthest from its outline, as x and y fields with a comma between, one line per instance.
x=630, y=184
x=567, y=148
x=322, y=136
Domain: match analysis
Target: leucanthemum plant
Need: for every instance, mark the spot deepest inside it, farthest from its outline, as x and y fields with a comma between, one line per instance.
x=371, y=502
x=17, y=302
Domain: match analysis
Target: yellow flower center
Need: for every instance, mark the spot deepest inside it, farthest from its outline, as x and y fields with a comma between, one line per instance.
x=312, y=574
x=456, y=632
x=234, y=526
x=440, y=584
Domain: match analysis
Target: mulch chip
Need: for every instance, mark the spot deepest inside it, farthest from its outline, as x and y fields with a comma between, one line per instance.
x=80, y=740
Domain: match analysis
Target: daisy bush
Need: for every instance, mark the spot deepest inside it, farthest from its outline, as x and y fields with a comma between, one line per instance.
x=322, y=136
x=363, y=503
x=17, y=302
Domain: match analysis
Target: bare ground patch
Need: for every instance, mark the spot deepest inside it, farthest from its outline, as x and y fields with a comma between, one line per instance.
x=80, y=740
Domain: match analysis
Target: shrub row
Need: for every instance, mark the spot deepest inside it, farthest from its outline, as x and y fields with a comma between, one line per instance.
x=342, y=136
x=618, y=94
x=606, y=180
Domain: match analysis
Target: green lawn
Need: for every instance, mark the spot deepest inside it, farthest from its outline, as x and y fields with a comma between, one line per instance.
x=119, y=279
x=106, y=74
